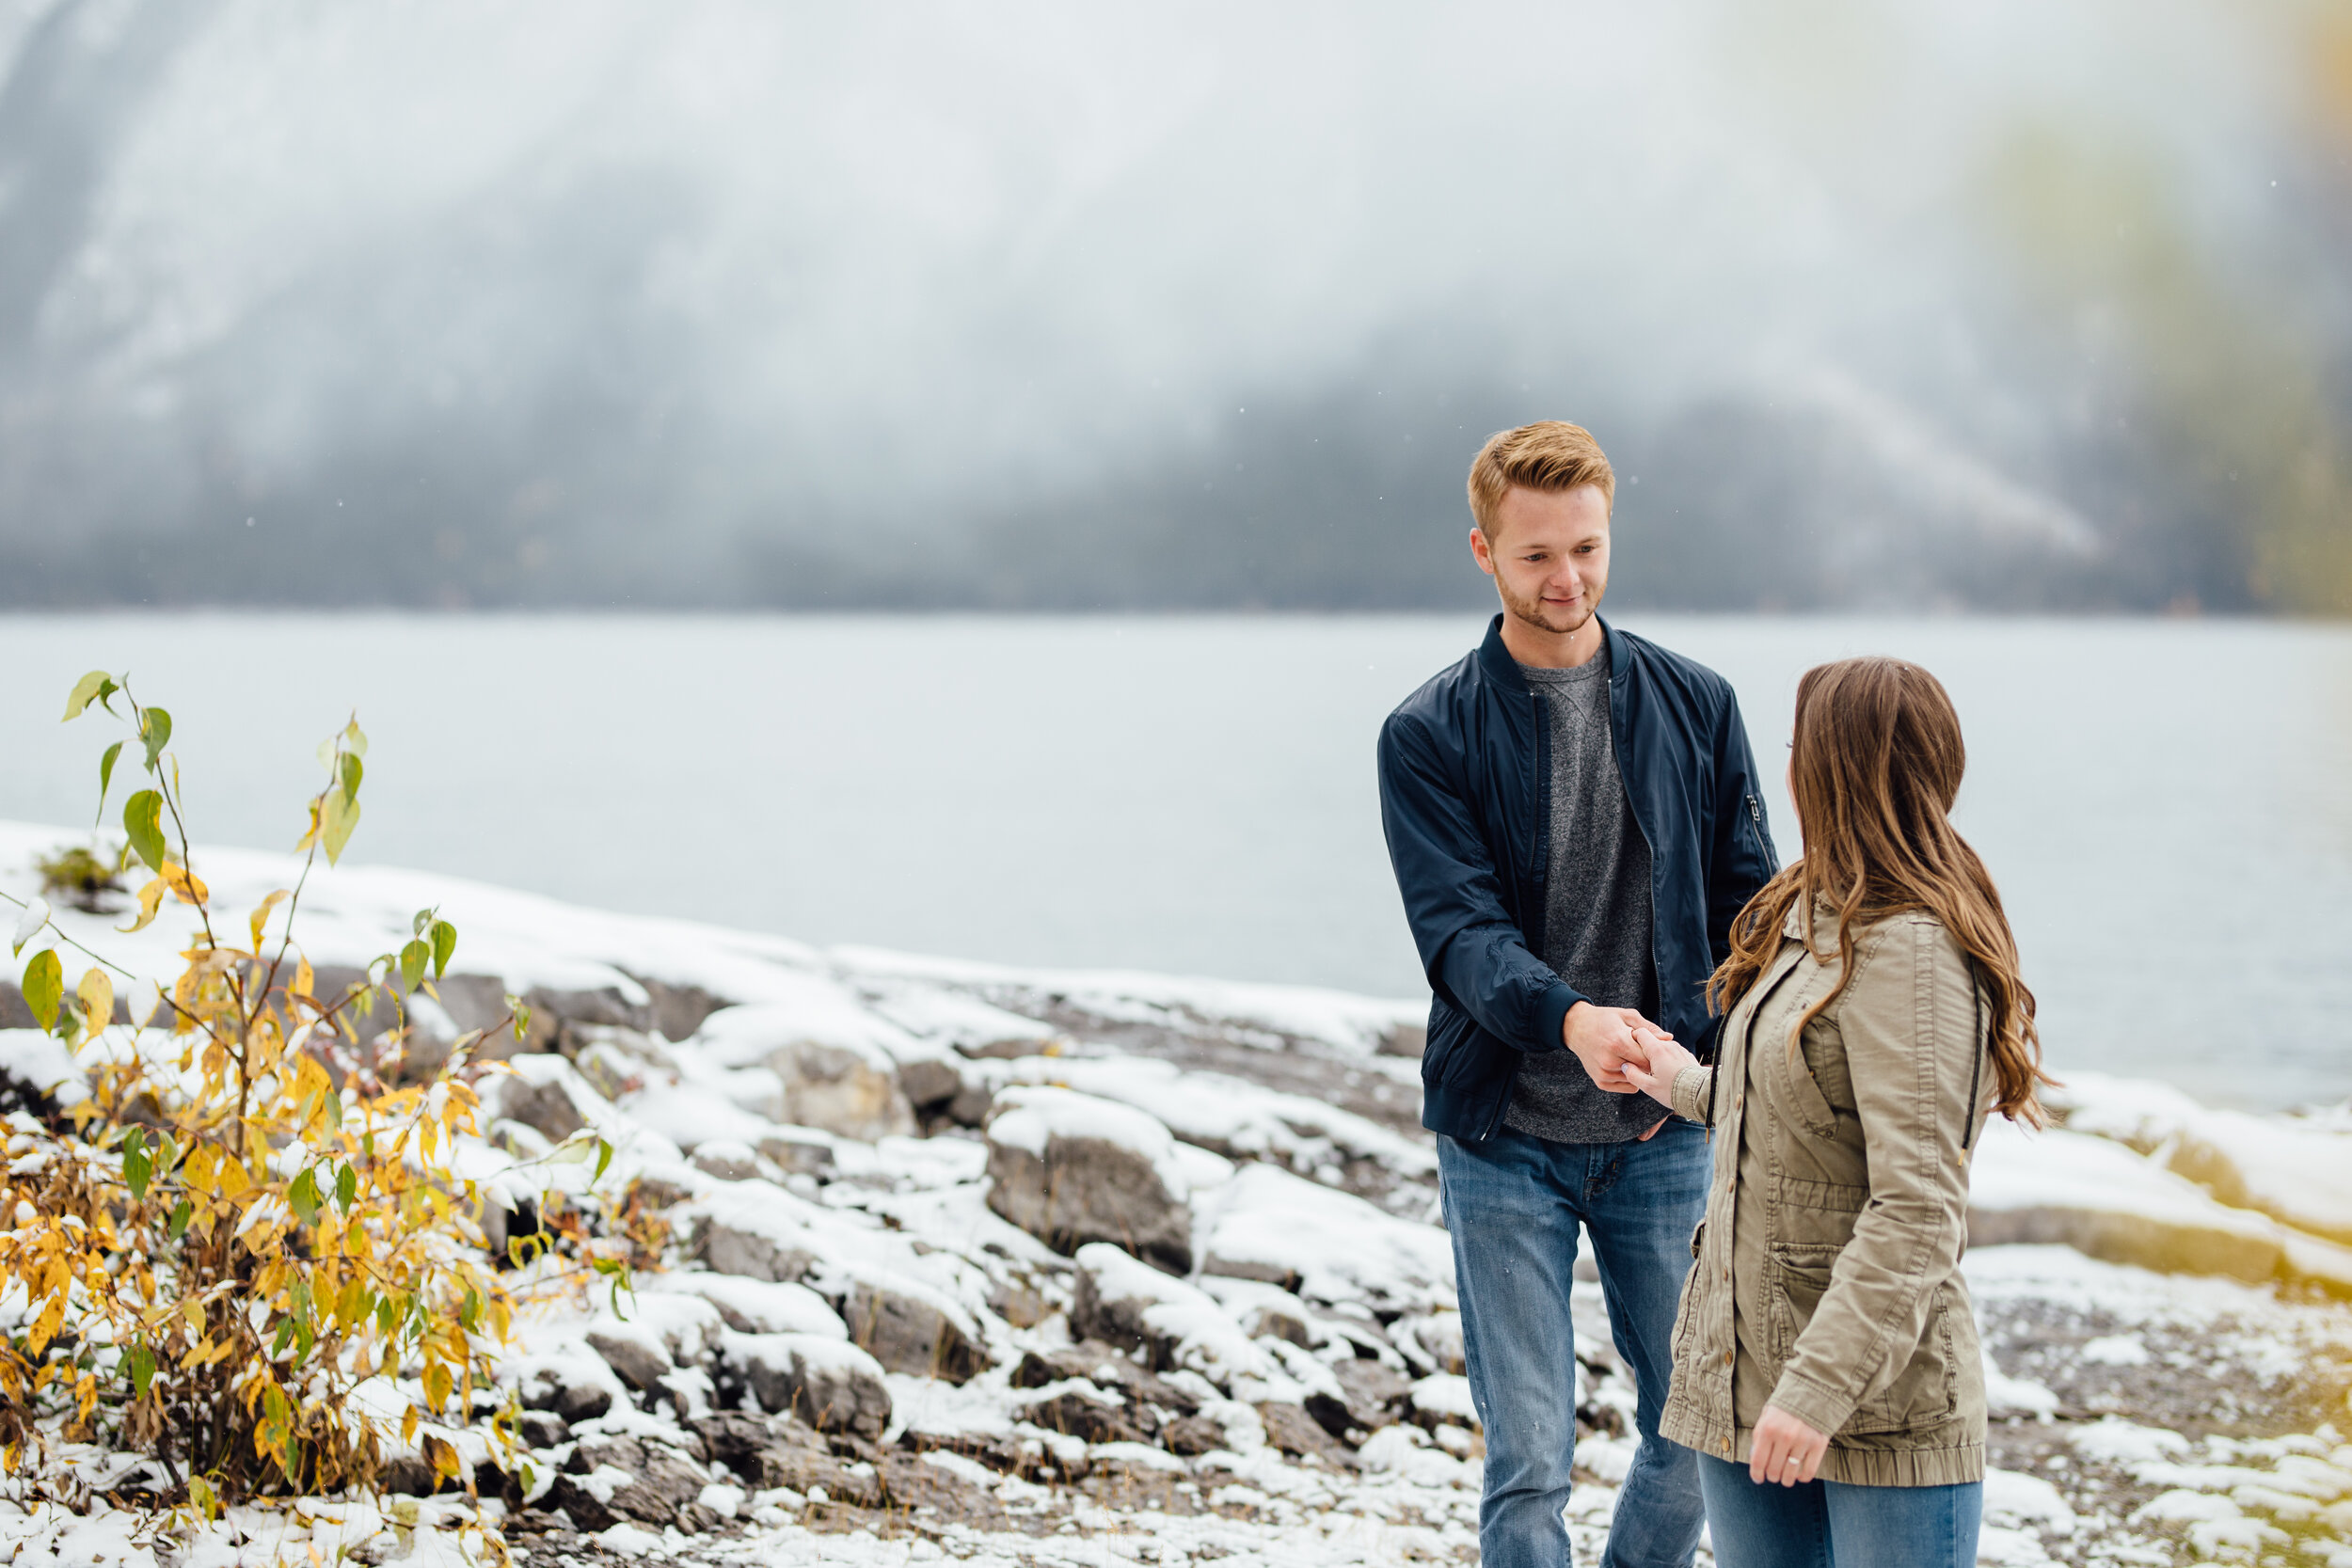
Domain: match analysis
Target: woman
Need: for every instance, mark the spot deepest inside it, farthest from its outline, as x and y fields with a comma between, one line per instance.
x=1826, y=1367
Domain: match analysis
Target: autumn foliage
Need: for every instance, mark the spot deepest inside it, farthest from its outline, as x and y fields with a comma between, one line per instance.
x=246, y=1252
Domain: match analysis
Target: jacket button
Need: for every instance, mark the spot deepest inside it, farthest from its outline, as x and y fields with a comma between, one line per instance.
x=1727, y=1356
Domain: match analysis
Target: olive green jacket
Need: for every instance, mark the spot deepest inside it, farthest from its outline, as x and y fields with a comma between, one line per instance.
x=1827, y=1277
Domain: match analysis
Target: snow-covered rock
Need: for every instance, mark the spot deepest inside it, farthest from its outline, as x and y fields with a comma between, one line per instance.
x=2100, y=1198
x=1128, y=1303
x=1073, y=1169
x=1324, y=1244
x=829, y=1384
x=753, y=1305
x=832, y=1057
x=2299, y=1176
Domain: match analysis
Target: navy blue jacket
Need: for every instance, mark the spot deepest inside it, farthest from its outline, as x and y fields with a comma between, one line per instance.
x=1466, y=799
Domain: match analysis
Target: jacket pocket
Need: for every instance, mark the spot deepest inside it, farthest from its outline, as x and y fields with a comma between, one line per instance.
x=1926, y=1392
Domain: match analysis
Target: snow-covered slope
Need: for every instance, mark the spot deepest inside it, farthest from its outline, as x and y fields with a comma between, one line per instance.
x=901, y=1316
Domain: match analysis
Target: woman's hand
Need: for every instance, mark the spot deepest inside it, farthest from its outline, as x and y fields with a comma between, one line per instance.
x=1667, y=1059
x=1786, y=1450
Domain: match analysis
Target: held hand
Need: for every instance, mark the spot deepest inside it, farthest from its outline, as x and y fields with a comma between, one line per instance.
x=1602, y=1038
x=1786, y=1450
x=1665, y=1059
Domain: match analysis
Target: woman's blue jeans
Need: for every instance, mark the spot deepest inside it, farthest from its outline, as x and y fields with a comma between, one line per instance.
x=1829, y=1523
x=1513, y=1205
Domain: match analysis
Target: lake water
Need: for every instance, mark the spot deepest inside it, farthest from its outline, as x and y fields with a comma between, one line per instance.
x=2167, y=805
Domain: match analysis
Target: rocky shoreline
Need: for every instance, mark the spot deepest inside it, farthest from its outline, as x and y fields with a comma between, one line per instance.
x=1001, y=1266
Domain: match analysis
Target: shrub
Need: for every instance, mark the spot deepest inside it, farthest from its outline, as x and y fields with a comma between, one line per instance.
x=242, y=1252
x=83, y=878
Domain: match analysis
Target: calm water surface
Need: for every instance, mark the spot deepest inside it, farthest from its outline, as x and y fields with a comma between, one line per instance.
x=2166, y=804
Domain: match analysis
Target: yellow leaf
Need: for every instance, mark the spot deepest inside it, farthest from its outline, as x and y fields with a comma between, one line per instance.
x=261, y=916
x=194, y=1311
x=232, y=1176
x=437, y=1384
x=97, y=995
x=150, y=900
x=409, y=1425
x=186, y=887
x=304, y=978
x=197, y=1169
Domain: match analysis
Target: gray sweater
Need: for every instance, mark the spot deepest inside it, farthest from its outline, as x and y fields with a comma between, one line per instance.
x=1597, y=913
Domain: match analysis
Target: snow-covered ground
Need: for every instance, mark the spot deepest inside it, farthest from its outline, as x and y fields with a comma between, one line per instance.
x=906, y=1199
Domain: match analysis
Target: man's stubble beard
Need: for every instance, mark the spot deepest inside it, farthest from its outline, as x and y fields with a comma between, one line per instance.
x=1532, y=610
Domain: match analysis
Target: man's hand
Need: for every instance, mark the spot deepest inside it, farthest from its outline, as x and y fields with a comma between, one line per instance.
x=1785, y=1450
x=1655, y=1077
x=1602, y=1038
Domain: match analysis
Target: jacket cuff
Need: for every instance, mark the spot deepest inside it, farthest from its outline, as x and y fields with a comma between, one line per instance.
x=1690, y=1092
x=1820, y=1408
x=1551, y=1013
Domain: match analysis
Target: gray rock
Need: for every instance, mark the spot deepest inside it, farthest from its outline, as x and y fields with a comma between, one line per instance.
x=930, y=1084
x=677, y=1011
x=635, y=1362
x=1094, y=1419
x=1191, y=1436
x=544, y=1108
x=1406, y=1039
x=543, y=1429
x=1083, y=1189
x=830, y=1386
x=1106, y=1367
x=1377, y=1394
x=727, y=1160
x=1292, y=1430
x=727, y=1250
x=661, y=1488
x=776, y=1450
x=907, y=1334
x=797, y=1153
x=574, y=1402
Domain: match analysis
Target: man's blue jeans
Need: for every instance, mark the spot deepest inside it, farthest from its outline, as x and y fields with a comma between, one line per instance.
x=1513, y=1205
x=1828, y=1523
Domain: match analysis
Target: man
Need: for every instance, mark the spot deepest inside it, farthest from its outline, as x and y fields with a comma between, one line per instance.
x=1574, y=819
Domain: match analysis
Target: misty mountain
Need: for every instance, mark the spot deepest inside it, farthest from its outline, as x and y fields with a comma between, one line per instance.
x=726, y=305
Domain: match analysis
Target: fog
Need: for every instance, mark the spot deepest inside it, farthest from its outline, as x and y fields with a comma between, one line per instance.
x=1993, y=305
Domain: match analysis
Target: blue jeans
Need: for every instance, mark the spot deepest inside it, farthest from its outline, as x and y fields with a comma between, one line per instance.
x=1829, y=1523
x=1513, y=1205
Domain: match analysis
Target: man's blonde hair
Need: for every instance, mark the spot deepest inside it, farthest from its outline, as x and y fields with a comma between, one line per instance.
x=1549, y=455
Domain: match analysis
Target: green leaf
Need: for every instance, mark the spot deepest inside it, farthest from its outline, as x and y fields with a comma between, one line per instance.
x=155, y=730
x=335, y=1113
x=106, y=776
x=604, y=1158
x=352, y=771
x=166, y=1154
x=339, y=815
x=179, y=1226
x=140, y=1364
x=444, y=940
x=95, y=687
x=413, y=958
x=44, y=984
x=142, y=819
x=303, y=1198
x=347, y=1188
x=285, y=1333
x=137, y=1163
x=419, y=921
x=355, y=740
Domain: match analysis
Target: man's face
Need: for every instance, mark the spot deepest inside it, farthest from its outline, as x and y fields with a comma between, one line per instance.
x=1549, y=556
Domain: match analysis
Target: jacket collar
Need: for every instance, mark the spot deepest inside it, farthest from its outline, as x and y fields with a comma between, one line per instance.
x=1501, y=668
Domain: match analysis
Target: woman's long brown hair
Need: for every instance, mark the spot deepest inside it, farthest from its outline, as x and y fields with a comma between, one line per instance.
x=1877, y=766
